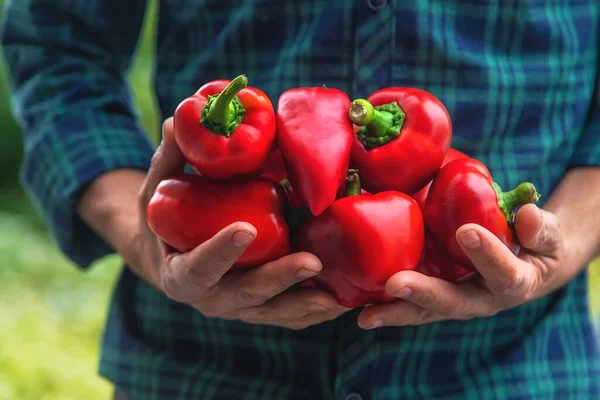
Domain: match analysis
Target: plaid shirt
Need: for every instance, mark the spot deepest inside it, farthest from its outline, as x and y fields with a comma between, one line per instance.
x=518, y=78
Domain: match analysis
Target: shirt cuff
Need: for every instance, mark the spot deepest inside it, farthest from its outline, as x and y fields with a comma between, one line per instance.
x=65, y=157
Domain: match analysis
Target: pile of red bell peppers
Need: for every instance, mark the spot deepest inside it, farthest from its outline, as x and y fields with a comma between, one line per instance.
x=370, y=186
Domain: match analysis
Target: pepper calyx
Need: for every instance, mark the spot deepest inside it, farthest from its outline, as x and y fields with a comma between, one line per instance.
x=223, y=112
x=379, y=125
x=525, y=193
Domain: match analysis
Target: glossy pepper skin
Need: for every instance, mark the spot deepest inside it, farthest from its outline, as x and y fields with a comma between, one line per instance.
x=401, y=139
x=273, y=167
x=226, y=128
x=362, y=241
x=315, y=136
x=464, y=192
x=186, y=210
x=421, y=195
x=437, y=263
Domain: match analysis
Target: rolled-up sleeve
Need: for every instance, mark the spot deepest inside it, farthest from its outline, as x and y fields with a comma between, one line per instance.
x=67, y=61
x=587, y=151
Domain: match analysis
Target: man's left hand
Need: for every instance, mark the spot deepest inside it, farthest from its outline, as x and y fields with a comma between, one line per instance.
x=504, y=280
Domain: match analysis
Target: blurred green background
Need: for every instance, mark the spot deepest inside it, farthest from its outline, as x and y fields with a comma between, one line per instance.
x=51, y=313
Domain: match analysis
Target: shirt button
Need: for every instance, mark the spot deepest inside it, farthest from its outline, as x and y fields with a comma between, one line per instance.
x=376, y=4
x=353, y=396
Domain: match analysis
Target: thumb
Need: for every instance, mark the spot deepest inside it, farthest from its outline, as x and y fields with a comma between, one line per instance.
x=537, y=229
x=204, y=266
x=167, y=160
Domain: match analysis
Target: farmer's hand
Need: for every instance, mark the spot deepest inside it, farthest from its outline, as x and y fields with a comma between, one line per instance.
x=202, y=277
x=550, y=257
x=506, y=280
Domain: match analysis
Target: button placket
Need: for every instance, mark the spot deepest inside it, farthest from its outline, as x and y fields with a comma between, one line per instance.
x=374, y=47
x=376, y=4
x=353, y=396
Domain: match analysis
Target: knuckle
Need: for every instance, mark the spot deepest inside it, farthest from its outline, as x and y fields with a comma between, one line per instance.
x=549, y=235
x=545, y=237
x=424, y=297
x=202, y=278
x=461, y=310
x=142, y=196
x=263, y=312
x=169, y=285
x=281, y=283
x=507, y=283
x=490, y=262
x=156, y=156
x=247, y=296
x=224, y=258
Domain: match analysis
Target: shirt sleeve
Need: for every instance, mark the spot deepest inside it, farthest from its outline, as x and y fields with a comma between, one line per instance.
x=587, y=151
x=67, y=61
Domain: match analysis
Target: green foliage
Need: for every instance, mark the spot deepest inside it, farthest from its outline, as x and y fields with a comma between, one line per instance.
x=52, y=314
x=52, y=317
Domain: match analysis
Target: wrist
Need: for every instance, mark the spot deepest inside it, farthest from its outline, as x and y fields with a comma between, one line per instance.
x=110, y=207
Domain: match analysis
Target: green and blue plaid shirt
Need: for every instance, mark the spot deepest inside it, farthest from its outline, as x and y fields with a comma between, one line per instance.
x=519, y=78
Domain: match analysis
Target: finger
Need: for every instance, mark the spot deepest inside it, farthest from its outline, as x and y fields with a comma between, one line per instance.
x=313, y=319
x=399, y=313
x=256, y=286
x=189, y=276
x=167, y=160
x=503, y=272
x=538, y=230
x=289, y=306
x=462, y=300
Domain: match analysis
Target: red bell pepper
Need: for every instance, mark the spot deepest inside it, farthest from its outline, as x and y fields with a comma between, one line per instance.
x=186, y=210
x=226, y=128
x=464, y=192
x=273, y=167
x=437, y=263
x=362, y=241
x=402, y=139
x=315, y=136
x=421, y=195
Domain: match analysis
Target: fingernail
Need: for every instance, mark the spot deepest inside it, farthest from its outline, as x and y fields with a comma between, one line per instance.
x=318, y=307
x=241, y=239
x=304, y=273
x=403, y=293
x=470, y=239
x=376, y=324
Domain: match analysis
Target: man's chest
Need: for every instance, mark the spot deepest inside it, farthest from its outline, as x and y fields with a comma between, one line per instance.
x=511, y=74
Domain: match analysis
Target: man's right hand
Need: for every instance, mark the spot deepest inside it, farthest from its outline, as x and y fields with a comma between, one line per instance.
x=202, y=277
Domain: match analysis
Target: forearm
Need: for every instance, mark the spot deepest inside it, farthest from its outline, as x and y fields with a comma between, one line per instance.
x=576, y=204
x=110, y=207
x=74, y=104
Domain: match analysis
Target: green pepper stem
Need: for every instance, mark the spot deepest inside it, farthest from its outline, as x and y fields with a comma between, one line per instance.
x=285, y=183
x=378, y=125
x=352, y=183
x=223, y=113
x=525, y=193
x=361, y=112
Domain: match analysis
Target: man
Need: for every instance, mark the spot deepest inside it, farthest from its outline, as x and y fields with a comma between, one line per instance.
x=520, y=82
